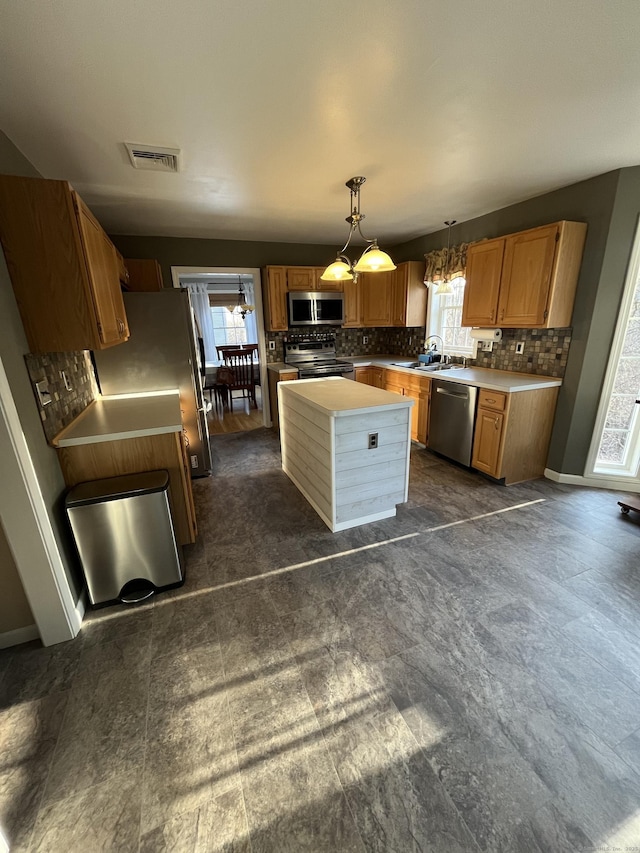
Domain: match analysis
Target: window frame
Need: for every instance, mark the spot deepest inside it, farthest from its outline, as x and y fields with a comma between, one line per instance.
x=434, y=321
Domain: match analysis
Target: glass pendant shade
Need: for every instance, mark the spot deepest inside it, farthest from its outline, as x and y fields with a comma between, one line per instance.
x=337, y=271
x=374, y=260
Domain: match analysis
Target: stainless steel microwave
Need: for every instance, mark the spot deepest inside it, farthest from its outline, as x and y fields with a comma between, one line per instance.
x=316, y=309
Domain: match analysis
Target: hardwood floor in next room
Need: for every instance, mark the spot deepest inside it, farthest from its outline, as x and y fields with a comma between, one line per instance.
x=462, y=677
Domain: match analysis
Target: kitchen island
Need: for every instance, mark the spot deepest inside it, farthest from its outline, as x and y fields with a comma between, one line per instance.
x=131, y=434
x=346, y=447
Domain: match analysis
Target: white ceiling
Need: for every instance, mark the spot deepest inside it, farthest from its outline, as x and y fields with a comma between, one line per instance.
x=450, y=109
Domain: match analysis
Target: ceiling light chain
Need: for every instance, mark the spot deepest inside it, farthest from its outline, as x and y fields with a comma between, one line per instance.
x=373, y=259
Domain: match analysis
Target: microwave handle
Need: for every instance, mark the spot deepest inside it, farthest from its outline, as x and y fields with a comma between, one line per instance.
x=314, y=311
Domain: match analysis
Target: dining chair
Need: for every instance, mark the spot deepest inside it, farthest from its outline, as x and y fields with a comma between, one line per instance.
x=242, y=366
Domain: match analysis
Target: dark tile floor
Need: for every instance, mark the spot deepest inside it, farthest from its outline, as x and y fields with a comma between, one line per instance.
x=463, y=677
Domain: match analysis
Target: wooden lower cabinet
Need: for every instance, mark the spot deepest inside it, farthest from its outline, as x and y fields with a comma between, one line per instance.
x=370, y=375
x=83, y=462
x=419, y=389
x=274, y=379
x=512, y=433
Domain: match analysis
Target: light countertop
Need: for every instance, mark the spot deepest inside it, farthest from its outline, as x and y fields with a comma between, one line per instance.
x=482, y=377
x=339, y=397
x=280, y=367
x=125, y=416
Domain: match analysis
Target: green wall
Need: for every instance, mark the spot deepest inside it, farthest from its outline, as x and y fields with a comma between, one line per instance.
x=188, y=252
x=593, y=201
x=13, y=347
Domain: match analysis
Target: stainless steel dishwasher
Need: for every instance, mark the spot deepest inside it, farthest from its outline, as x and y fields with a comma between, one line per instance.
x=451, y=419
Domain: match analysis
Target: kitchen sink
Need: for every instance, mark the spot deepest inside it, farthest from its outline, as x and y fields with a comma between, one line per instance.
x=414, y=364
x=431, y=368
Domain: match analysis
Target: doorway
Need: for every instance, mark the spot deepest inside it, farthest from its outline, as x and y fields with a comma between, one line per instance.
x=233, y=317
x=615, y=448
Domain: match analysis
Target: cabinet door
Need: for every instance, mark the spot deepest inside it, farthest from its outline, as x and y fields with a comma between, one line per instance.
x=487, y=443
x=376, y=298
x=363, y=374
x=274, y=290
x=377, y=377
x=333, y=286
x=526, y=277
x=301, y=278
x=484, y=268
x=393, y=381
x=102, y=269
x=144, y=274
x=399, y=281
x=352, y=304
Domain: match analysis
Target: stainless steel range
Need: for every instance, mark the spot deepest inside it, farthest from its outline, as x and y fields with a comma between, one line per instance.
x=315, y=357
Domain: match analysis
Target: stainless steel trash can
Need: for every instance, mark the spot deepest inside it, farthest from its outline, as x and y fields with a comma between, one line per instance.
x=124, y=534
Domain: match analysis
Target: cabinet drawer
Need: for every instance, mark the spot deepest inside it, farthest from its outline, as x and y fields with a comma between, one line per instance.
x=495, y=400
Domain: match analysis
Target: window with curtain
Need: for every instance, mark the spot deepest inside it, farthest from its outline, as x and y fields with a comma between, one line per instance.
x=444, y=311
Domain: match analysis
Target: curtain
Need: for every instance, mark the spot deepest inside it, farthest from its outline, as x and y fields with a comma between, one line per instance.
x=200, y=302
x=446, y=264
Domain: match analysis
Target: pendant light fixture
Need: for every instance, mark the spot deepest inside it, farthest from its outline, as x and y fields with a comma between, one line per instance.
x=443, y=287
x=241, y=307
x=373, y=259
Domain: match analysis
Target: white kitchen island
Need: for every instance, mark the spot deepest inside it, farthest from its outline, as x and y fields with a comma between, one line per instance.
x=346, y=446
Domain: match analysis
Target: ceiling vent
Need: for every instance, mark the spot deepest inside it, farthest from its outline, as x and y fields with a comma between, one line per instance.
x=153, y=158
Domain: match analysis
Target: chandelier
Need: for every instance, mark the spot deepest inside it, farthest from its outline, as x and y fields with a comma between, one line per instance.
x=241, y=307
x=373, y=259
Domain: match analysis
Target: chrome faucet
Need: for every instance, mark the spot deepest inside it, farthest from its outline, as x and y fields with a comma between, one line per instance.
x=443, y=357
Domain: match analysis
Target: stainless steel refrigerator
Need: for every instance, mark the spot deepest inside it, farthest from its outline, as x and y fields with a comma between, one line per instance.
x=162, y=353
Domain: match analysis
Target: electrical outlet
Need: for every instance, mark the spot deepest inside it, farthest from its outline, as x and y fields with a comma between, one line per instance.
x=487, y=346
x=194, y=461
x=272, y=345
x=373, y=440
x=365, y=339
x=519, y=347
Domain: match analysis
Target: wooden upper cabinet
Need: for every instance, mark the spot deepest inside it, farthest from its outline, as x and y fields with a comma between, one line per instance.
x=102, y=269
x=525, y=280
x=274, y=293
x=301, y=278
x=352, y=304
x=63, y=267
x=484, y=269
x=526, y=277
x=376, y=298
x=144, y=274
x=409, y=295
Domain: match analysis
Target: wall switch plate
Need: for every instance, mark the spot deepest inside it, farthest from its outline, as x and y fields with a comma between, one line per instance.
x=487, y=346
x=519, y=347
x=365, y=339
x=373, y=440
x=66, y=380
x=44, y=395
x=194, y=461
x=272, y=345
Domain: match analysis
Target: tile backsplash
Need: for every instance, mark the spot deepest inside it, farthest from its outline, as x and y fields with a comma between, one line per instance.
x=65, y=405
x=545, y=352
x=349, y=342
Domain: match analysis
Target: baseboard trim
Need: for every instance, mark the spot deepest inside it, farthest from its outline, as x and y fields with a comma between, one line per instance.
x=590, y=482
x=18, y=636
